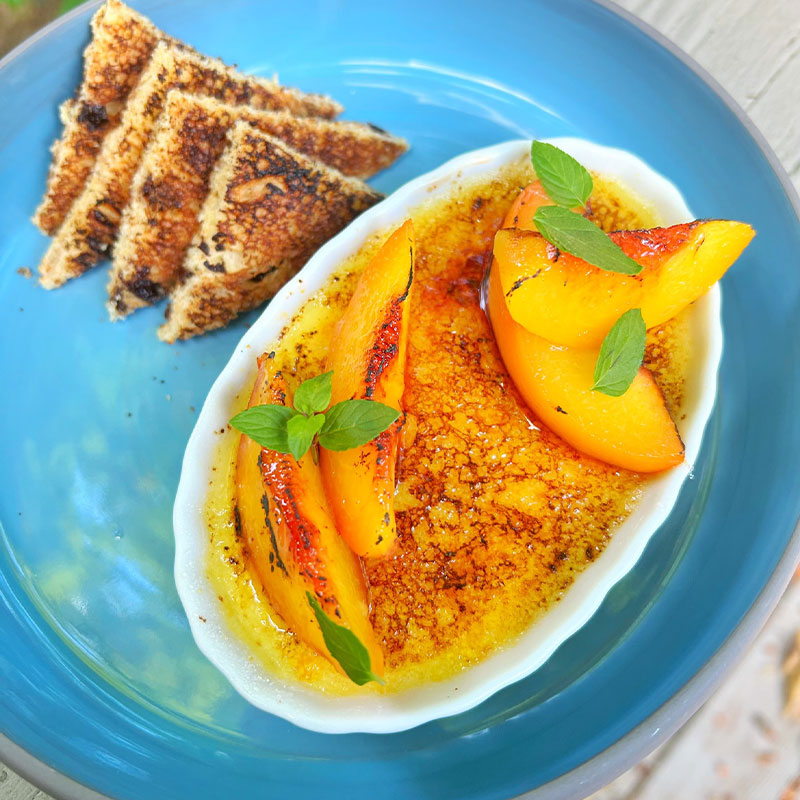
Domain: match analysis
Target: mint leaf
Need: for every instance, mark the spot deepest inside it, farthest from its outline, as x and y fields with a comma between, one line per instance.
x=621, y=355
x=579, y=237
x=300, y=433
x=352, y=423
x=346, y=425
x=314, y=394
x=567, y=182
x=266, y=425
x=344, y=646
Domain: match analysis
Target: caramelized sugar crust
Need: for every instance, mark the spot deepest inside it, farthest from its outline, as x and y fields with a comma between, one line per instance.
x=496, y=515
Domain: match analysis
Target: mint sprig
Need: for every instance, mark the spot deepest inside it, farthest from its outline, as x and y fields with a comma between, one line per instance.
x=267, y=425
x=568, y=184
x=621, y=354
x=355, y=422
x=580, y=237
x=314, y=394
x=300, y=433
x=345, y=425
x=344, y=646
x=566, y=181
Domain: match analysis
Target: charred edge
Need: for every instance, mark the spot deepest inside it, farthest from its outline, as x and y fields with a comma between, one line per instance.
x=272, y=538
x=99, y=217
x=687, y=226
x=261, y=275
x=219, y=241
x=119, y=302
x=383, y=350
x=161, y=195
x=93, y=116
x=86, y=260
x=381, y=447
x=385, y=355
x=301, y=523
x=98, y=245
x=517, y=283
x=410, y=278
x=142, y=287
x=237, y=521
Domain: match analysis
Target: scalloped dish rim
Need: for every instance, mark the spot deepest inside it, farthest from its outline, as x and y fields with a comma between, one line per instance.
x=391, y=713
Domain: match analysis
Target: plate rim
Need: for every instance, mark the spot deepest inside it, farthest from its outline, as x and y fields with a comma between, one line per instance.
x=44, y=32
x=611, y=762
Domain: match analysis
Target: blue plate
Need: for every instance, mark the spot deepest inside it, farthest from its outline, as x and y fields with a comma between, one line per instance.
x=101, y=679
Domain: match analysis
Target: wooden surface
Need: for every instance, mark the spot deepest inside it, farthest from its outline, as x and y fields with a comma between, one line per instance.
x=739, y=746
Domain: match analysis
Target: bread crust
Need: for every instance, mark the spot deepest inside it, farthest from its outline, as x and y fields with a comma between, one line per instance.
x=87, y=234
x=122, y=41
x=268, y=210
x=172, y=181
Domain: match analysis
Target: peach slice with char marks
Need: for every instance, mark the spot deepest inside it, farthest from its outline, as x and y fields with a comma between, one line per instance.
x=634, y=430
x=570, y=302
x=368, y=357
x=292, y=538
x=520, y=215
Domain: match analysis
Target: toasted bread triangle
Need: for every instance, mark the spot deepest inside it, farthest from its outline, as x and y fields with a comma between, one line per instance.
x=173, y=178
x=268, y=209
x=89, y=229
x=122, y=41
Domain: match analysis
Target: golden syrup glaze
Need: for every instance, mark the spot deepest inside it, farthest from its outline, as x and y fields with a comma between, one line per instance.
x=495, y=515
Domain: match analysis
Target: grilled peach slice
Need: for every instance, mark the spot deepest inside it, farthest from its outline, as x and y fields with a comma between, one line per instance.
x=569, y=302
x=634, y=430
x=368, y=357
x=292, y=538
x=520, y=215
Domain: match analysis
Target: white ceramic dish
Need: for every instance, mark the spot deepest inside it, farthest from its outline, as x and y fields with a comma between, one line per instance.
x=311, y=709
